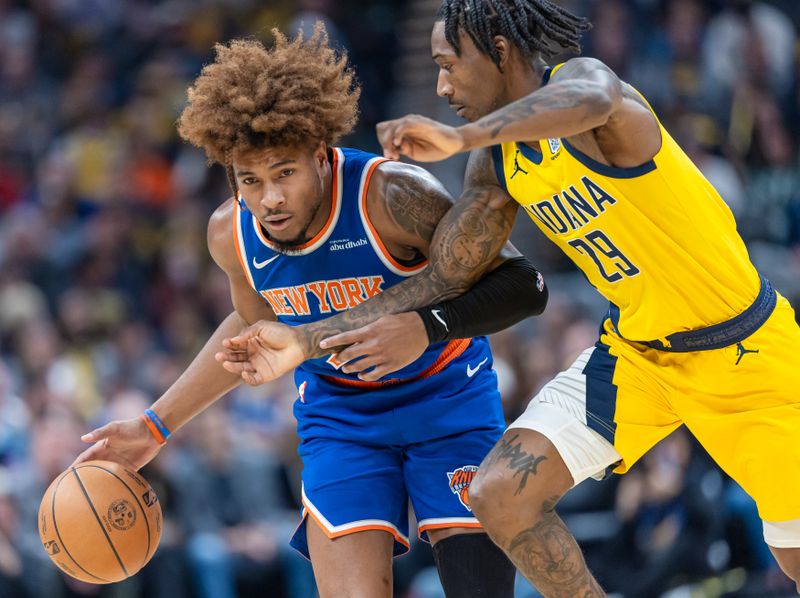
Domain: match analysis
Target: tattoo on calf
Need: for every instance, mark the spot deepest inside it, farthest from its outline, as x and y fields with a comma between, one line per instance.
x=519, y=461
x=548, y=555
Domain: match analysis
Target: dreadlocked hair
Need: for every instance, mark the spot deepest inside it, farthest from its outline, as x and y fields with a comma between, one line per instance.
x=536, y=27
x=298, y=92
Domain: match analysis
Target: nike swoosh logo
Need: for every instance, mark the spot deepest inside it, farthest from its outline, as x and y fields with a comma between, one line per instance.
x=436, y=315
x=258, y=265
x=471, y=371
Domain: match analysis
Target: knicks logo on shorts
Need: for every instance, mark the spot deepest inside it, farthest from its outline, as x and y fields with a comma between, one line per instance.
x=460, y=480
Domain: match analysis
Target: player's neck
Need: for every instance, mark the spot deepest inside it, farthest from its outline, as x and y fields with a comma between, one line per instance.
x=324, y=212
x=524, y=79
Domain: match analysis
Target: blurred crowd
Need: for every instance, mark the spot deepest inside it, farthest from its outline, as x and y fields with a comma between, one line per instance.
x=107, y=290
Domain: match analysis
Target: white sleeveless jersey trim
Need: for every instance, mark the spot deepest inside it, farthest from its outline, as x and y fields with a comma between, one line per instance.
x=336, y=208
x=374, y=240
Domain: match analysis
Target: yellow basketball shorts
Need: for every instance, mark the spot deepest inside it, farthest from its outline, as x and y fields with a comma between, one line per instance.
x=741, y=402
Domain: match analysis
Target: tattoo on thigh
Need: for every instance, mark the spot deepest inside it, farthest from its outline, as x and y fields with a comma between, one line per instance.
x=519, y=461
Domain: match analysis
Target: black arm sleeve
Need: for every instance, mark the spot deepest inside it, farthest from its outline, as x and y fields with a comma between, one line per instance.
x=508, y=294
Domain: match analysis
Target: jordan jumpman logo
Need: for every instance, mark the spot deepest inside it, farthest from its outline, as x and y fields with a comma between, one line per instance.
x=517, y=167
x=741, y=351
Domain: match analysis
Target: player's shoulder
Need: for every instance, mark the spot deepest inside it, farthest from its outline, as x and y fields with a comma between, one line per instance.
x=394, y=169
x=220, y=235
x=577, y=67
x=397, y=181
x=482, y=167
x=406, y=202
x=222, y=217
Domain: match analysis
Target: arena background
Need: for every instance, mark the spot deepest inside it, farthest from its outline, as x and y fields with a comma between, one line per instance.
x=107, y=290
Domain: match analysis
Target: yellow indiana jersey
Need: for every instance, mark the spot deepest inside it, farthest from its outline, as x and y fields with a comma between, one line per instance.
x=656, y=240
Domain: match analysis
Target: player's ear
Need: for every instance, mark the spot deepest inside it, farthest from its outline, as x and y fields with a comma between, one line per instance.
x=321, y=154
x=503, y=47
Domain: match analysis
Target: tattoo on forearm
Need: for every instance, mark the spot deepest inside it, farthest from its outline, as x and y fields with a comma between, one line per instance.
x=467, y=240
x=519, y=461
x=548, y=555
x=567, y=95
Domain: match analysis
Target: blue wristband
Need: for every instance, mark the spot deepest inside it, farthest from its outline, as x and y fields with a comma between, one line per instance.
x=151, y=415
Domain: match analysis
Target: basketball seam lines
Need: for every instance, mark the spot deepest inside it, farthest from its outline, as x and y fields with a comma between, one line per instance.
x=141, y=508
x=99, y=521
x=58, y=533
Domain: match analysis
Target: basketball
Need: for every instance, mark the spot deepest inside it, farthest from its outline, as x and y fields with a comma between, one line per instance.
x=100, y=522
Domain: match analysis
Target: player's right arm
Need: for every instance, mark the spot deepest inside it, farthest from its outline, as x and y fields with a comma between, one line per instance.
x=204, y=381
x=467, y=243
x=584, y=101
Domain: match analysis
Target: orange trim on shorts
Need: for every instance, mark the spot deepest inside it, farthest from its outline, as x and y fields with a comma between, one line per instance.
x=323, y=230
x=154, y=430
x=452, y=350
x=362, y=528
x=374, y=232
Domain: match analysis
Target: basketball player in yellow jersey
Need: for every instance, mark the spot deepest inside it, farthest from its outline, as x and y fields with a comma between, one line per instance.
x=693, y=335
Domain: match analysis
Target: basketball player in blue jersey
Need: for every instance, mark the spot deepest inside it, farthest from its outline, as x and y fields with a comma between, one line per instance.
x=694, y=334
x=312, y=231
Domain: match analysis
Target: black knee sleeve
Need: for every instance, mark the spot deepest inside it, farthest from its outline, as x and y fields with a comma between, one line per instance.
x=472, y=566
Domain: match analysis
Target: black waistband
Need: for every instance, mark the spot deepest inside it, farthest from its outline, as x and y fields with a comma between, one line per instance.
x=727, y=333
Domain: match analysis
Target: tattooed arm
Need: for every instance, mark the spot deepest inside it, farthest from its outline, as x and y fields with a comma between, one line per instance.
x=467, y=242
x=470, y=238
x=583, y=97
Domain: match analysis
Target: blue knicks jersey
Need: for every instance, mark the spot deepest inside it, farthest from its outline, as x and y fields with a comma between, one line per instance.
x=344, y=264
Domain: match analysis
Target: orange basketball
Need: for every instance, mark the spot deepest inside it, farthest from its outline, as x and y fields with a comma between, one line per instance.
x=100, y=522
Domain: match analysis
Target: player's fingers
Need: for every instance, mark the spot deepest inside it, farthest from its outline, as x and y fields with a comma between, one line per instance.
x=236, y=343
x=101, y=432
x=346, y=338
x=238, y=367
x=93, y=452
x=352, y=352
x=375, y=374
x=384, y=131
x=399, y=135
x=360, y=364
x=252, y=378
x=84, y=456
x=386, y=135
x=233, y=356
x=239, y=342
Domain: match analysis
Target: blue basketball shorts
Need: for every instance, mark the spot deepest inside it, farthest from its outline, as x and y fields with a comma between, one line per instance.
x=423, y=452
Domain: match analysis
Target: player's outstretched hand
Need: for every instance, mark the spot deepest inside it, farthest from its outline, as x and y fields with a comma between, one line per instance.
x=388, y=344
x=419, y=138
x=262, y=352
x=127, y=442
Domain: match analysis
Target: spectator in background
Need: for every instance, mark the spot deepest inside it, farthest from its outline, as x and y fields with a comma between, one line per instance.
x=11, y=562
x=669, y=519
x=233, y=511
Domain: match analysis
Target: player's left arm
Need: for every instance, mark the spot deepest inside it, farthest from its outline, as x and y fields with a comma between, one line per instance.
x=509, y=291
x=583, y=95
x=475, y=290
x=412, y=214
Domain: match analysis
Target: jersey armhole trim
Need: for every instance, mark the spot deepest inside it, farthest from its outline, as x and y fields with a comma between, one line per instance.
x=606, y=170
x=499, y=170
x=238, y=242
x=377, y=244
